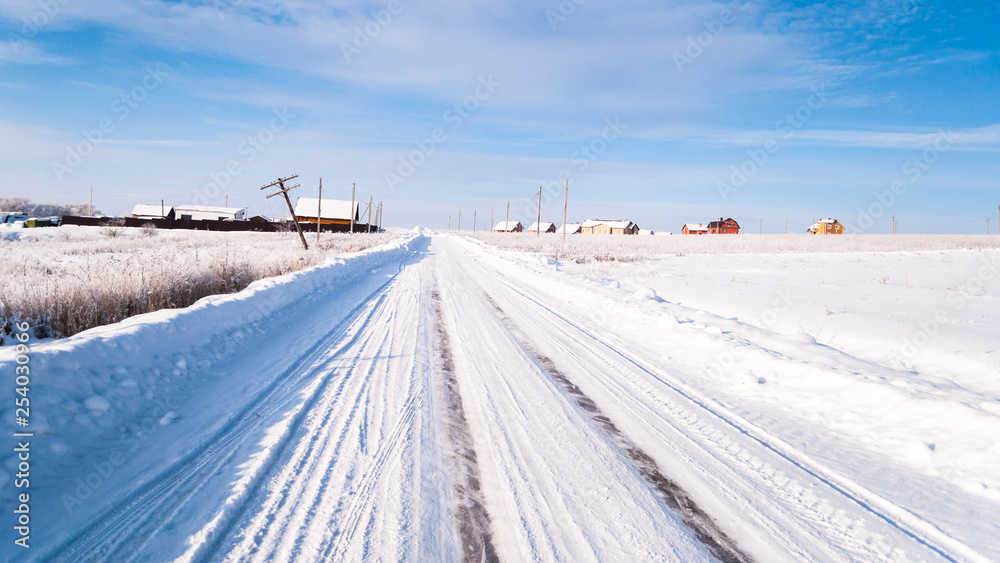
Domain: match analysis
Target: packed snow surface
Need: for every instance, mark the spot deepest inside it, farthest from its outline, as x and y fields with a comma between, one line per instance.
x=439, y=398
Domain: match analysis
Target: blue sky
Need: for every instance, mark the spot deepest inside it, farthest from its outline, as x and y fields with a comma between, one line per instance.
x=659, y=112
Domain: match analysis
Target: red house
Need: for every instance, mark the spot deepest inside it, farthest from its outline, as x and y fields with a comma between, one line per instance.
x=723, y=227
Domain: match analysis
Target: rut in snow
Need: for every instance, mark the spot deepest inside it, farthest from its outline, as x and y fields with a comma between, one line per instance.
x=473, y=519
x=722, y=546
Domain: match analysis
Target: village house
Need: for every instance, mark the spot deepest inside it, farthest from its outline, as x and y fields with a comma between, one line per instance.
x=723, y=227
x=333, y=211
x=207, y=213
x=143, y=211
x=569, y=229
x=606, y=227
x=542, y=227
x=508, y=227
x=826, y=227
x=694, y=229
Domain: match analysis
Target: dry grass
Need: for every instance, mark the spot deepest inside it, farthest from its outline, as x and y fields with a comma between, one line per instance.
x=72, y=279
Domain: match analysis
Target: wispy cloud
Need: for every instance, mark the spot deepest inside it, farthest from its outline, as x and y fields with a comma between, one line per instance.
x=23, y=52
x=971, y=139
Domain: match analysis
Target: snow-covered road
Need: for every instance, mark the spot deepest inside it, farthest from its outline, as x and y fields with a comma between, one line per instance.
x=438, y=401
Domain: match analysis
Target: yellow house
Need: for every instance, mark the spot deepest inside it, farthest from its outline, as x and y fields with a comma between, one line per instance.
x=335, y=211
x=604, y=227
x=826, y=227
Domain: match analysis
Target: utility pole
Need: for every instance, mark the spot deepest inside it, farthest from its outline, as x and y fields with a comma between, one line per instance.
x=162, y=210
x=449, y=221
x=284, y=191
x=371, y=200
x=91, y=204
x=474, y=211
x=506, y=223
x=565, y=207
x=538, y=223
x=227, y=200
x=352, y=208
x=319, y=210
x=491, y=219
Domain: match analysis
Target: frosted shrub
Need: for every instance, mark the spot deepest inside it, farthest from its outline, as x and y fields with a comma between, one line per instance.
x=620, y=248
x=78, y=278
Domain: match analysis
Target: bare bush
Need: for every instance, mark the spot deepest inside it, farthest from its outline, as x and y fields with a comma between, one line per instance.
x=67, y=283
x=113, y=228
x=620, y=248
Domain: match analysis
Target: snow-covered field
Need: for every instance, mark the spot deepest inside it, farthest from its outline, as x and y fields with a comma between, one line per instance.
x=73, y=278
x=439, y=397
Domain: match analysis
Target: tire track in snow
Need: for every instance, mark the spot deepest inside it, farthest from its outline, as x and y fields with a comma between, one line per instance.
x=473, y=518
x=706, y=530
x=897, y=517
x=124, y=530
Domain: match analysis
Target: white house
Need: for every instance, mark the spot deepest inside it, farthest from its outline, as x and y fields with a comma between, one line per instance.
x=508, y=227
x=569, y=229
x=542, y=227
x=207, y=213
x=143, y=211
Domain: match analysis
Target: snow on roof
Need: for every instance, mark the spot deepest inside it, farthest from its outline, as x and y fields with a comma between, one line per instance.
x=570, y=228
x=614, y=223
x=145, y=210
x=506, y=225
x=696, y=227
x=207, y=209
x=331, y=208
x=543, y=226
x=827, y=221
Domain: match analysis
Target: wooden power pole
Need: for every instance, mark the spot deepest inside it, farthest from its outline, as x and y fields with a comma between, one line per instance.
x=474, y=211
x=538, y=223
x=506, y=223
x=352, y=208
x=284, y=191
x=91, y=204
x=319, y=210
x=371, y=200
x=565, y=206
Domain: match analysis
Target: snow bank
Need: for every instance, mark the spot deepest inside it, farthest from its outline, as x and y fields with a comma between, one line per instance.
x=119, y=379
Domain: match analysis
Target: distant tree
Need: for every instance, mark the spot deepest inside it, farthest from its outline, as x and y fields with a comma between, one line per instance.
x=15, y=204
x=24, y=205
